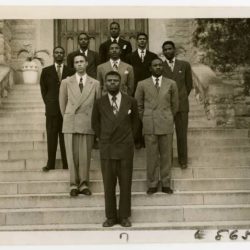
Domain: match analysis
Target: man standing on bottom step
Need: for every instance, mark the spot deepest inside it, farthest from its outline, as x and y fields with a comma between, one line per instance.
x=157, y=99
x=115, y=120
x=76, y=98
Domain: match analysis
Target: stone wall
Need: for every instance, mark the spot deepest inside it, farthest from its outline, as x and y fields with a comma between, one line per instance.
x=5, y=40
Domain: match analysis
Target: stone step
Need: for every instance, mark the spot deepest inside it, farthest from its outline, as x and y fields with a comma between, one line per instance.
x=22, y=137
x=21, y=110
x=45, y=187
x=62, y=229
x=14, y=127
x=22, y=105
x=21, y=114
x=139, y=172
x=140, y=214
x=27, y=87
x=138, y=199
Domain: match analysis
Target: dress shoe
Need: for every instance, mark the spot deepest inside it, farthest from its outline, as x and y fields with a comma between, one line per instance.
x=167, y=190
x=151, y=190
x=109, y=222
x=74, y=192
x=85, y=191
x=125, y=222
x=46, y=169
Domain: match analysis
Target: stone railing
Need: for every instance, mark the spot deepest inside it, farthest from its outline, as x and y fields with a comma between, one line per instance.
x=6, y=80
x=217, y=97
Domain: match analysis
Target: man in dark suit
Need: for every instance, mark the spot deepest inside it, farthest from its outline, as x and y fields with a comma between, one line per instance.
x=92, y=56
x=115, y=120
x=140, y=60
x=50, y=81
x=180, y=72
x=125, y=46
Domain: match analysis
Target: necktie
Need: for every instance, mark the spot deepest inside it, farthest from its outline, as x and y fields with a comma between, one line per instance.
x=58, y=70
x=114, y=41
x=115, y=66
x=114, y=105
x=142, y=56
x=171, y=64
x=157, y=86
x=81, y=85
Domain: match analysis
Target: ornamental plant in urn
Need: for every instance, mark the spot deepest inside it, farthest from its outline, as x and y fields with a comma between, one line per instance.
x=30, y=67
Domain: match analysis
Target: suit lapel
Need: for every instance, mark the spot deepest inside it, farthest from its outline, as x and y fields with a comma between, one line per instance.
x=74, y=87
x=108, y=108
x=176, y=68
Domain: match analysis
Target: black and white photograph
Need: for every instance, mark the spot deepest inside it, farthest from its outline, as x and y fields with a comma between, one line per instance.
x=124, y=125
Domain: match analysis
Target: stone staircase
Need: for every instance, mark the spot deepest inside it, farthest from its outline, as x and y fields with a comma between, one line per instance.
x=214, y=192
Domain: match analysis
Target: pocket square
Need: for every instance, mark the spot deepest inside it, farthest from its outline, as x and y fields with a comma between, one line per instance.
x=126, y=72
x=180, y=71
x=124, y=46
x=129, y=111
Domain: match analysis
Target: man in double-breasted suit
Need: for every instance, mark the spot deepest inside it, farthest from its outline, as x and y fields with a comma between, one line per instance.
x=92, y=56
x=140, y=60
x=50, y=81
x=180, y=72
x=125, y=46
x=157, y=99
x=116, y=64
x=115, y=119
x=77, y=96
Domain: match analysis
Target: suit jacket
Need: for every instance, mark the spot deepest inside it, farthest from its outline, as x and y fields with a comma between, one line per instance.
x=126, y=72
x=116, y=133
x=126, y=49
x=157, y=109
x=50, y=84
x=76, y=107
x=93, y=61
x=141, y=69
x=182, y=75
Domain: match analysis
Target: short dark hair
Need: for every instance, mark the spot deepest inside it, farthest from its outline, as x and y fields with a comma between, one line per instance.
x=115, y=23
x=113, y=73
x=83, y=33
x=79, y=54
x=169, y=43
x=158, y=58
x=58, y=47
x=114, y=43
x=141, y=34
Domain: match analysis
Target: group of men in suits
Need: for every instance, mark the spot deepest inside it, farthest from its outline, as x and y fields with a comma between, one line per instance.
x=105, y=96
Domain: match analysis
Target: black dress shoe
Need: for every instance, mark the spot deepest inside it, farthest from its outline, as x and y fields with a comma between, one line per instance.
x=74, y=192
x=109, y=222
x=46, y=169
x=167, y=190
x=85, y=191
x=125, y=222
x=152, y=190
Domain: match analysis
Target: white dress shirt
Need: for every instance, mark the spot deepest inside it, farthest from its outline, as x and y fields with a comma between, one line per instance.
x=84, y=77
x=84, y=52
x=159, y=81
x=171, y=65
x=112, y=39
x=113, y=62
x=118, y=99
x=139, y=52
x=61, y=67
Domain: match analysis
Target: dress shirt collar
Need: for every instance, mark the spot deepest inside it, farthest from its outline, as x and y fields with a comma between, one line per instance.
x=160, y=80
x=85, y=52
x=173, y=61
x=140, y=50
x=84, y=77
x=117, y=39
x=117, y=62
x=118, y=99
x=61, y=68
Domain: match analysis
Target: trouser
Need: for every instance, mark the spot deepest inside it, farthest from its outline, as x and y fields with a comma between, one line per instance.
x=54, y=130
x=159, y=159
x=181, y=127
x=78, y=150
x=111, y=171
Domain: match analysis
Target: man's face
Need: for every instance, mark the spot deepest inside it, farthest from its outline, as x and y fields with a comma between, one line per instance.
x=168, y=51
x=83, y=41
x=80, y=64
x=112, y=84
x=156, y=67
x=114, y=51
x=114, y=30
x=58, y=55
x=142, y=41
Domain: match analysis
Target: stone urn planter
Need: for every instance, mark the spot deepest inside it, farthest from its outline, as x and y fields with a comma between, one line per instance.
x=30, y=68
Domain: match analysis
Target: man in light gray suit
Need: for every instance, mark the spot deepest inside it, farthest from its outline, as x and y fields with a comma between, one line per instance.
x=157, y=99
x=115, y=64
x=76, y=98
